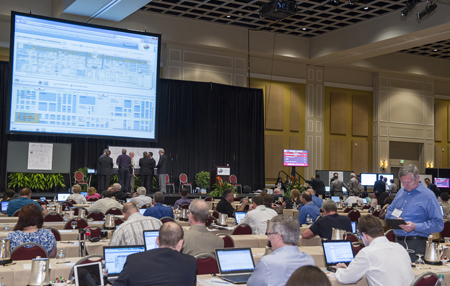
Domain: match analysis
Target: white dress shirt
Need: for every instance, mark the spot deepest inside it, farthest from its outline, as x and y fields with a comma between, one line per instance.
x=258, y=218
x=79, y=198
x=141, y=200
x=105, y=204
x=383, y=262
x=131, y=232
x=353, y=200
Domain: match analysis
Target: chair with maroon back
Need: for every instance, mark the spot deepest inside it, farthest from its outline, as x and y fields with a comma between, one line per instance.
x=95, y=231
x=16, y=213
x=97, y=216
x=184, y=182
x=233, y=181
x=169, y=184
x=210, y=220
x=118, y=221
x=366, y=207
x=65, y=205
x=146, y=206
x=348, y=209
x=206, y=264
x=114, y=211
x=215, y=214
x=356, y=247
x=376, y=213
x=166, y=219
x=28, y=251
x=354, y=215
x=81, y=223
x=446, y=231
x=242, y=229
x=77, y=210
x=55, y=232
x=42, y=203
x=390, y=235
x=352, y=237
x=53, y=216
x=425, y=279
x=209, y=199
x=228, y=241
x=86, y=260
x=92, y=199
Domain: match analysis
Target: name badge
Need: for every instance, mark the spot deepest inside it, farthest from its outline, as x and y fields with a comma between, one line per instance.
x=397, y=213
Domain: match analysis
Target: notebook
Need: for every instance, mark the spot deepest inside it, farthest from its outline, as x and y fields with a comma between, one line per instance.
x=235, y=264
x=336, y=199
x=5, y=207
x=63, y=197
x=337, y=251
x=239, y=216
x=115, y=257
x=89, y=274
x=150, y=239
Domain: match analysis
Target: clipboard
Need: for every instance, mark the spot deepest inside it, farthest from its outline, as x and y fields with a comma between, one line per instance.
x=395, y=223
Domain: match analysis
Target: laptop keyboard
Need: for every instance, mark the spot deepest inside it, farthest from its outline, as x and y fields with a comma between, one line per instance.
x=238, y=278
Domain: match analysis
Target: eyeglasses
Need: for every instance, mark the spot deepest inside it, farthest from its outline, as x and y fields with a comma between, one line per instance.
x=270, y=233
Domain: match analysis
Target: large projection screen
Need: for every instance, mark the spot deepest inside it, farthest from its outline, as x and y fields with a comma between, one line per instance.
x=77, y=79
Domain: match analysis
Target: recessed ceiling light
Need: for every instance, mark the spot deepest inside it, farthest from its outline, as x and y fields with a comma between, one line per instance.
x=228, y=16
x=304, y=29
x=435, y=50
x=366, y=8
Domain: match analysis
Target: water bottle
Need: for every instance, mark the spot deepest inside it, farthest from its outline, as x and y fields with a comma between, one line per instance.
x=441, y=281
x=294, y=206
x=308, y=219
x=88, y=233
x=104, y=270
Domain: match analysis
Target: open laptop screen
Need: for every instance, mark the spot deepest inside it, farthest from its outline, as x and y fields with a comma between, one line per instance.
x=354, y=226
x=62, y=197
x=5, y=206
x=336, y=199
x=364, y=201
x=337, y=251
x=327, y=189
x=235, y=260
x=239, y=216
x=84, y=194
x=115, y=257
x=150, y=239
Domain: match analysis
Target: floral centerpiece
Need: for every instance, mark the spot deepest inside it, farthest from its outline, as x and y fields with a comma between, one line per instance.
x=220, y=186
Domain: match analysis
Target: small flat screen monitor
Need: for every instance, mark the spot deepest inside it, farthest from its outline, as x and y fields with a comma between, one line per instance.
x=327, y=189
x=388, y=176
x=91, y=171
x=150, y=239
x=335, y=199
x=223, y=171
x=5, y=206
x=295, y=158
x=239, y=216
x=442, y=182
x=368, y=179
x=62, y=197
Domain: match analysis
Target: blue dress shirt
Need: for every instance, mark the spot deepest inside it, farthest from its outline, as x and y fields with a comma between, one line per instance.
x=420, y=207
x=158, y=211
x=317, y=201
x=308, y=209
x=18, y=203
x=276, y=268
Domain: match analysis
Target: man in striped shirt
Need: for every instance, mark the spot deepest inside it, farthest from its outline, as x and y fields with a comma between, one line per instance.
x=131, y=232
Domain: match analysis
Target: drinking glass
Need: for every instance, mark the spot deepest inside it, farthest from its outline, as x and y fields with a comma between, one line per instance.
x=419, y=261
x=61, y=255
x=103, y=234
x=74, y=224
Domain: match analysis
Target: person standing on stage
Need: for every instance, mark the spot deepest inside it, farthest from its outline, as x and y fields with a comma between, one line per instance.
x=104, y=168
x=147, y=164
x=132, y=172
x=162, y=170
x=124, y=163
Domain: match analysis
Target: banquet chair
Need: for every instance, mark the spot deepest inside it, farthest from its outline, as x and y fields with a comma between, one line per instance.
x=348, y=209
x=228, y=241
x=242, y=229
x=53, y=216
x=114, y=211
x=97, y=215
x=352, y=237
x=209, y=199
x=81, y=223
x=166, y=219
x=95, y=231
x=206, y=264
x=79, y=178
x=354, y=215
x=93, y=199
x=169, y=184
x=77, y=209
x=146, y=206
x=215, y=214
x=118, y=221
x=28, y=251
x=446, y=231
x=55, y=232
x=376, y=213
x=356, y=247
x=86, y=260
x=185, y=206
x=390, y=235
x=72, y=202
x=425, y=279
x=233, y=181
x=210, y=220
x=16, y=213
x=366, y=207
x=66, y=205
x=184, y=182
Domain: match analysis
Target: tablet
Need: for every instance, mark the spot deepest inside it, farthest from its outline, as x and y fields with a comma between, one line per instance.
x=88, y=274
x=395, y=223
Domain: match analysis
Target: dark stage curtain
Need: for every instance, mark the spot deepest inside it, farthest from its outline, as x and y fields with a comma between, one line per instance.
x=199, y=125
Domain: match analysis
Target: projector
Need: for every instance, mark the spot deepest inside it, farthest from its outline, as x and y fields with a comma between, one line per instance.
x=278, y=10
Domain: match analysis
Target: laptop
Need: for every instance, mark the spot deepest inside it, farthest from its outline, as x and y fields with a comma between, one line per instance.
x=4, y=207
x=337, y=251
x=142, y=211
x=62, y=197
x=115, y=258
x=89, y=274
x=327, y=189
x=354, y=227
x=364, y=201
x=235, y=264
x=344, y=190
x=150, y=239
x=239, y=216
x=335, y=199
x=84, y=194
x=442, y=210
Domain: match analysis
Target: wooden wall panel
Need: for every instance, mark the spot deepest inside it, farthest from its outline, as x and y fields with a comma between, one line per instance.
x=338, y=113
x=448, y=123
x=294, y=109
x=438, y=122
x=437, y=157
x=293, y=143
x=273, y=154
x=338, y=153
x=360, y=115
x=274, y=108
x=360, y=156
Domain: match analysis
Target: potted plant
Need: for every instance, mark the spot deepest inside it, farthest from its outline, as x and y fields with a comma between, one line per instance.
x=202, y=181
x=220, y=186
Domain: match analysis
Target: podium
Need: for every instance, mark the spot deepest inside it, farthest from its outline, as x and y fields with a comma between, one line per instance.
x=223, y=173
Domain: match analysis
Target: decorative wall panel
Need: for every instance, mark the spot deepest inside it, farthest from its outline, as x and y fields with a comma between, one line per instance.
x=338, y=113
x=274, y=108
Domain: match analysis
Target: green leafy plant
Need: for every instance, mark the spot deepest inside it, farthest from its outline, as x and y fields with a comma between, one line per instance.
x=290, y=186
x=35, y=181
x=18, y=180
x=202, y=180
x=218, y=189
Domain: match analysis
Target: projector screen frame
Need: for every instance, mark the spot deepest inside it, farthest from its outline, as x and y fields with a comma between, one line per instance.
x=96, y=136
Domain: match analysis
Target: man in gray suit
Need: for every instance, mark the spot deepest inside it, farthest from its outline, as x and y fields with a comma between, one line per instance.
x=162, y=170
x=353, y=184
x=336, y=187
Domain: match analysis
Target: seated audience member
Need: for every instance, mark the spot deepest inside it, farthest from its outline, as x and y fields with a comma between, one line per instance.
x=294, y=198
x=184, y=199
x=140, y=197
x=308, y=276
x=131, y=231
x=105, y=203
x=161, y=266
x=381, y=261
x=268, y=201
x=382, y=197
x=76, y=196
x=224, y=206
x=8, y=195
x=308, y=208
x=355, y=199
x=158, y=210
x=277, y=194
x=197, y=239
x=365, y=195
x=92, y=193
x=276, y=268
x=117, y=193
x=259, y=215
x=445, y=204
x=387, y=202
x=23, y=200
x=373, y=200
x=323, y=227
x=29, y=230
x=315, y=199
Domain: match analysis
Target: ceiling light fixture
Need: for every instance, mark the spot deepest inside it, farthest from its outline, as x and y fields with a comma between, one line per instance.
x=337, y=1
x=228, y=16
x=410, y=4
x=352, y=2
x=366, y=8
x=435, y=50
x=304, y=29
x=428, y=9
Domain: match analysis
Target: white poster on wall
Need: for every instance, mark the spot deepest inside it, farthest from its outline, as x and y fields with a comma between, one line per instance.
x=40, y=156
